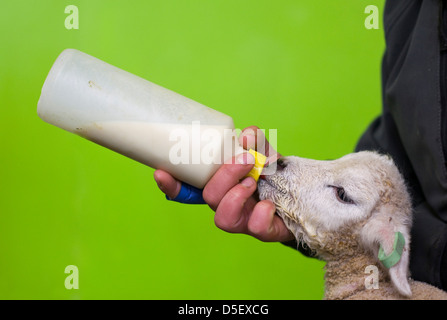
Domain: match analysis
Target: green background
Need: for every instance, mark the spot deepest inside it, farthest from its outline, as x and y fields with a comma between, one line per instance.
x=309, y=69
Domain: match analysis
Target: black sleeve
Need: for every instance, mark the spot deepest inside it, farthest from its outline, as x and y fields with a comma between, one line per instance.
x=301, y=247
x=413, y=125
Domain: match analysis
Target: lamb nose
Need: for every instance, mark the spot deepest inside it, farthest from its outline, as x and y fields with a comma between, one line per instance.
x=281, y=164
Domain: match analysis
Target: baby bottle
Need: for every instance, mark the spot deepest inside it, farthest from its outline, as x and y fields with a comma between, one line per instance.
x=139, y=119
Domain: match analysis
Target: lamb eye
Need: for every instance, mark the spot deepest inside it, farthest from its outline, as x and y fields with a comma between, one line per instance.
x=341, y=195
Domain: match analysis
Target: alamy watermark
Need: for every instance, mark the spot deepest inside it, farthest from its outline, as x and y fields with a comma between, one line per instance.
x=207, y=144
x=72, y=280
x=372, y=20
x=372, y=280
x=72, y=20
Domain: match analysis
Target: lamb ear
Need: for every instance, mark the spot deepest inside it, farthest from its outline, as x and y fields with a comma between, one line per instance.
x=397, y=261
x=389, y=240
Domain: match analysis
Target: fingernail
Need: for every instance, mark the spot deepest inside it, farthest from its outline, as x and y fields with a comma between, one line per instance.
x=248, y=182
x=245, y=158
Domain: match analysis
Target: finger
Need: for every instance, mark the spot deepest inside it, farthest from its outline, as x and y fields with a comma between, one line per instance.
x=230, y=215
x=254, y=138
x=265, y=225
x=167, y=183
x=226, y=177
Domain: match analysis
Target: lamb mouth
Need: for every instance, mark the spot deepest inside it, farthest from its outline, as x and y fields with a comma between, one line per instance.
x=277, y=187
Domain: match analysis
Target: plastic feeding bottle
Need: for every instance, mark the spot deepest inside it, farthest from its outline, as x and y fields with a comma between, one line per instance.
x=139, y=119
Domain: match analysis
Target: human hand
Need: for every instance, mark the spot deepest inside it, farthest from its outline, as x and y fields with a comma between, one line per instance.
x=232, y=196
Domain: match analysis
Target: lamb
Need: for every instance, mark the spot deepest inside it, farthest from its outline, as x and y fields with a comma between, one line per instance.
x=348, y=211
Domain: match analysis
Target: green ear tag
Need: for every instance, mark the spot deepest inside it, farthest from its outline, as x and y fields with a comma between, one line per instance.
x=395, y=255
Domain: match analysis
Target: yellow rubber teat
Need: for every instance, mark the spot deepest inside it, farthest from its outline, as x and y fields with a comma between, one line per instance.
x=260, y=160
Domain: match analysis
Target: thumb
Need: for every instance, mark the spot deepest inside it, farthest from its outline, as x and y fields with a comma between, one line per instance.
x=167, y=183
